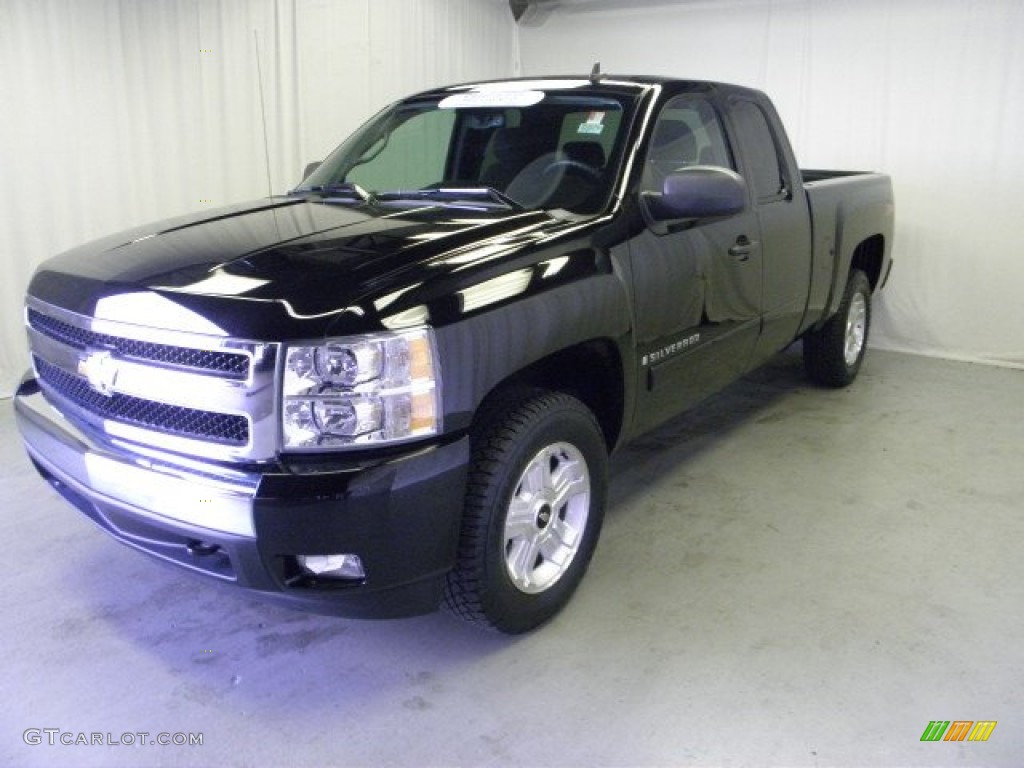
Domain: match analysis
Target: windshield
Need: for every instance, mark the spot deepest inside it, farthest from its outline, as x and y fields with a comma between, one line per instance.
x=518, y=149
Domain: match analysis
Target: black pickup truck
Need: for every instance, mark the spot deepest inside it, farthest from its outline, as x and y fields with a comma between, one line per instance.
x=397, y=386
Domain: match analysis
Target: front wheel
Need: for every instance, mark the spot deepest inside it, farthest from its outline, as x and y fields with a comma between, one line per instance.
x=834, y=353
x=534, y=506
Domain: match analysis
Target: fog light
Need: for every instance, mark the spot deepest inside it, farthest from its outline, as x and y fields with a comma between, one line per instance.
x=333, y=566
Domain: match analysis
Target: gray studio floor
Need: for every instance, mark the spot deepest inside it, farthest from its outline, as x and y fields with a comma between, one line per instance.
x=787, y=576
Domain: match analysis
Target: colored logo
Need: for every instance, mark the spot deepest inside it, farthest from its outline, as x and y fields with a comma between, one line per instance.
x=958, y=730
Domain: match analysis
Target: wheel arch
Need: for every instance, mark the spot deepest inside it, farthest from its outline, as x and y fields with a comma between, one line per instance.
x=868, y=257
x=591, y=371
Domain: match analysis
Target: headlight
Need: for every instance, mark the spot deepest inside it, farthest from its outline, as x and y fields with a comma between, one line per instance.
x=360, y=390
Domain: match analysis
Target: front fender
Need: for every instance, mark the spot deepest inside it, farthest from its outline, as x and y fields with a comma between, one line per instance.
x=484, y=349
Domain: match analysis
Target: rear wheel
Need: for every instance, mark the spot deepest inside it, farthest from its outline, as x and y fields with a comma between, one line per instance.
x=534, y=506
x=834, y=353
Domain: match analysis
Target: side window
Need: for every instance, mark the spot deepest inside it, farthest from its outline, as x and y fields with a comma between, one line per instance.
x=764, y=169
x=687, y=132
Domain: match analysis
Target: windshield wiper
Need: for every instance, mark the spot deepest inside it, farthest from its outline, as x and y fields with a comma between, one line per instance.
x=345, y=187
x=452, y=194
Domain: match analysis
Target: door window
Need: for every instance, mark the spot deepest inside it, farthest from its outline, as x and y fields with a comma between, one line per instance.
x=765, y=172
x=688, y=132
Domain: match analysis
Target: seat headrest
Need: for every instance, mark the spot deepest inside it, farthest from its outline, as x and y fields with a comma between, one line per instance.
x=587, y=152
x=514, y=146
x=674, y=137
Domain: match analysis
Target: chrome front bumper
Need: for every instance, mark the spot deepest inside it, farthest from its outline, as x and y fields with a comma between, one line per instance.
x=114, y=476
x=401, y=514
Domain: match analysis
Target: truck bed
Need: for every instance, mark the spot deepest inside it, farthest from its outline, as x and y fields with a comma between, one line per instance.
x=846, y=208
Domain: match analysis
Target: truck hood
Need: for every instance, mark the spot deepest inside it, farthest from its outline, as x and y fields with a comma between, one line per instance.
x=290, y=267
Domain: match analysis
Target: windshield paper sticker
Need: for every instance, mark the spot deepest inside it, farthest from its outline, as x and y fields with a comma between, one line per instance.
x=491, y=99
x=594, y=124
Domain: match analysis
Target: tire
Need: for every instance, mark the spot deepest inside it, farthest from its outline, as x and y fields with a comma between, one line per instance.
x=535, y=501
x=834, y=353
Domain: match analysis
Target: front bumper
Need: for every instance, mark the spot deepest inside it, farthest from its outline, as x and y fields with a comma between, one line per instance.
x=400, y=515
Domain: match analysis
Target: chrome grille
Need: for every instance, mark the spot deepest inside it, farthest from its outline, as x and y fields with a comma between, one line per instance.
x=173, y=419
x=184, y=392
x=232, y=364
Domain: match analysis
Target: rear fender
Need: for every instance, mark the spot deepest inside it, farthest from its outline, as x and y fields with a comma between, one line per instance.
x=863, y=238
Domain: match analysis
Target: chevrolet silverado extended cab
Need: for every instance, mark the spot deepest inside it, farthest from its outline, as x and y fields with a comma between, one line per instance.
x=397, y=386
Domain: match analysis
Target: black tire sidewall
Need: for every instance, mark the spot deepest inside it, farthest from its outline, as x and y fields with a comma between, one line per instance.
x=509, y=609
x=825, y=349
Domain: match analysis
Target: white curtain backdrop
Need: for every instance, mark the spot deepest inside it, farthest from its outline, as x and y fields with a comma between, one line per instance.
x=117, y=113
x=930, y=91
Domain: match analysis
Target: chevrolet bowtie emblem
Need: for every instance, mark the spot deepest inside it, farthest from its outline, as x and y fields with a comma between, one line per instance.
x=100, y=369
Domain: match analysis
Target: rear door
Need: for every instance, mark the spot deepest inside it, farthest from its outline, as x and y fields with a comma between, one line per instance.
x=783, y=218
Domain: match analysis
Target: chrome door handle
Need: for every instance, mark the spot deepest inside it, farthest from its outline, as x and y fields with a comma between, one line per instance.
x=743, y=247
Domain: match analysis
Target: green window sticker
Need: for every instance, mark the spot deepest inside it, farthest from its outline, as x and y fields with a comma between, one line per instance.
x=594, y=124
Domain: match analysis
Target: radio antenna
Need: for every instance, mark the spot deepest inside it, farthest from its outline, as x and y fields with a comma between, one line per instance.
x=263, y=113
x=595, y=73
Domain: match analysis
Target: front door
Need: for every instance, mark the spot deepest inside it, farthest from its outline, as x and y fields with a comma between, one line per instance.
x=697, y=288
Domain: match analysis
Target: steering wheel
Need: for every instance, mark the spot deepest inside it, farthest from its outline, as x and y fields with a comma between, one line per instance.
x=563, y=166
x=534, y=185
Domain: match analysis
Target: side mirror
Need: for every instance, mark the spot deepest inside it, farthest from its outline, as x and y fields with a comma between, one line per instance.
x=699, y=192
x=309, y=169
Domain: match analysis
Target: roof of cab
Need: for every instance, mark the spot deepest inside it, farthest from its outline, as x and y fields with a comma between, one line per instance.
x=607, y=79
